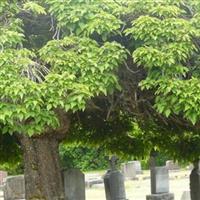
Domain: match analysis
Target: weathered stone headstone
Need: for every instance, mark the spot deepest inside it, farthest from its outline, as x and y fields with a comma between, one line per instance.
x=186, y=195
x=117, y=187
x=171, y=165
x=74, y=184
x=114, y=183
x=128, y=171
x=14, y=188
x=160, y=184
x=159, y=180
x=195, y=181
x=138, y=166
x=93, y=181
x=3, y=175
x=107, y=185
x=131, y=168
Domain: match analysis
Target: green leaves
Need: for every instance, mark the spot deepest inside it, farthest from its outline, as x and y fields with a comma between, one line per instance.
x=164, y=11
x=85, y=61
x=179, y=97
x=34, y=7
x=87, y=17
x=166, y=48
x=64, y=74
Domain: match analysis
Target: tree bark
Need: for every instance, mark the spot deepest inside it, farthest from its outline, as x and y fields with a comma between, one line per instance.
x=43, y=180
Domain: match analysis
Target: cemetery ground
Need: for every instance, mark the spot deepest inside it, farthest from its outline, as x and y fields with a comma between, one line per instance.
x=138, y=189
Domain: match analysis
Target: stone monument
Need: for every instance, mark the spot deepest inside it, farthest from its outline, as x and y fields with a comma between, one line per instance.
x=14, y=188
x=3, y=175
x=131, y=169
x=171, y=165
x=195, y=181
x=114, y=182
x=159, y=182
x=74, y=184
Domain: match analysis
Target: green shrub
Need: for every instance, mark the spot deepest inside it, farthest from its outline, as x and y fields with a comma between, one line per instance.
x=84, y=158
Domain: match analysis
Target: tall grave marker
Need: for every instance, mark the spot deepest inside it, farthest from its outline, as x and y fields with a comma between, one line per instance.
x=159, y=182
x=114, y=182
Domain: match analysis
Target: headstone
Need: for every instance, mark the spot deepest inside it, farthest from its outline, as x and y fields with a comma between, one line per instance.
x=117, y=187
x=74, y=184
x=93, y=181
x=131, y=169
x=128, y=171
x=114, y=183
x=186, y=195
x=171, y=165
x=137, y=166
x=3, y=175
x=14, y=188
x=107, y=185
x=159, y=180
x=195, y=181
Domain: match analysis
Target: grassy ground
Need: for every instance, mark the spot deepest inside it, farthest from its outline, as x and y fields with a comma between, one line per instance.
x=138, y=189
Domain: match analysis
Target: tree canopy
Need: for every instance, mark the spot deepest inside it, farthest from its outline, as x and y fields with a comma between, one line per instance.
x=159, y=78
x=140, y=58
x=63, y=73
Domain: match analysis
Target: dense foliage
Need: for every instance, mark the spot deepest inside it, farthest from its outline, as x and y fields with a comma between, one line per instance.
x=159, y=78
x=63, y=74
x=140, y=58
x=84, y=158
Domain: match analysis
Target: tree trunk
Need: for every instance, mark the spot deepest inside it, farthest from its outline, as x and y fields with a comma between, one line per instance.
x=43, y=180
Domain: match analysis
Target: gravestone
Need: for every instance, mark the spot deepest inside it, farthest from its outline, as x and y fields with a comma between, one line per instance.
x=3, y=175
x=128, y=170
x=186, y=195
x=93, y=181
x=159, y=180
x=114, y=182
x=107, y=185
x=160, y=184
x=117, y=187
x=195, y=181
x=74, y=184
x=171, y=165
x=137, y=166
x=14, y=188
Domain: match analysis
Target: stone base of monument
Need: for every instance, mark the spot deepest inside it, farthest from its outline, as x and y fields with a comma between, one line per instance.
x=164, y=196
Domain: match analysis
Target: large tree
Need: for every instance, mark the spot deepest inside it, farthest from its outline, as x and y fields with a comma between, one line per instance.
x=58, y=56
x=46, y=73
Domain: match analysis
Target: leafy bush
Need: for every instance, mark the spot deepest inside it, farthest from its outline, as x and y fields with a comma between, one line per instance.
x=84, y=158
